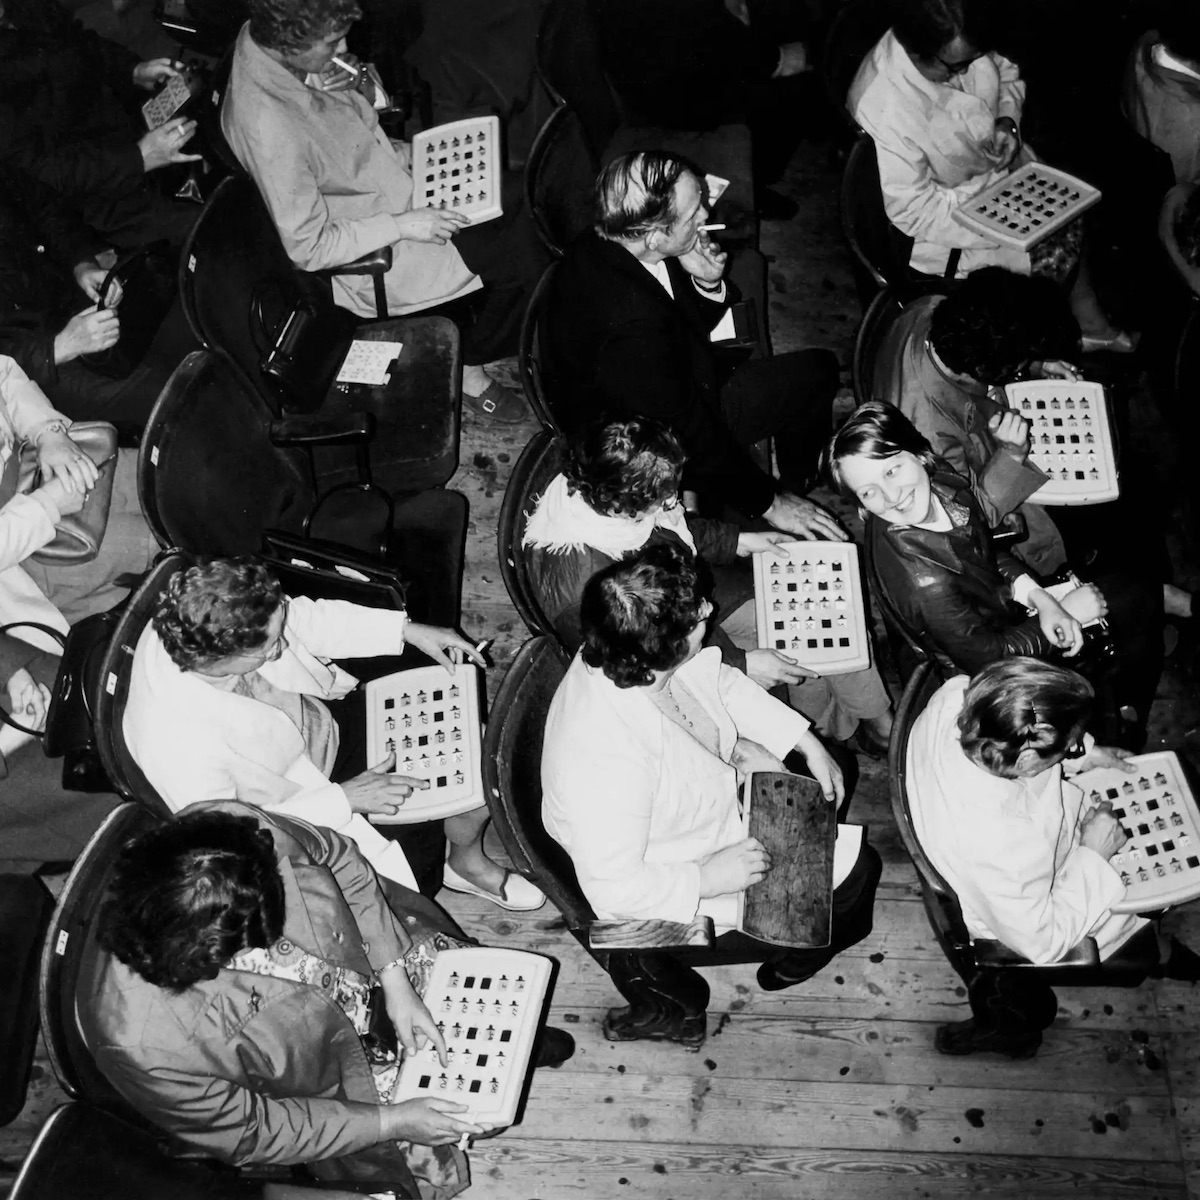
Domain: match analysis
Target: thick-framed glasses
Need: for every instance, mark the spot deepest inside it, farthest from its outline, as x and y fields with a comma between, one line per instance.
x=1076, y=749
x=958, y=68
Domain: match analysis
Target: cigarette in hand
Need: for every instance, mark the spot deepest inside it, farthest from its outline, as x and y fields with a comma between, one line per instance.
x=480, y=647
x=351, y=70
x=703, y=228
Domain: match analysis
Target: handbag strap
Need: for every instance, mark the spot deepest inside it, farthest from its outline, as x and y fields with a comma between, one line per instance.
x=50, y=631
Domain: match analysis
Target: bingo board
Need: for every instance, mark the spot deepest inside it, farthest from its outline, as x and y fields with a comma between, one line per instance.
x=1070, y=439
x=1027, y=206
x=431, y=719
x=1160, y=864
x=458, y=166
x=809, y=606
x=487, y=1004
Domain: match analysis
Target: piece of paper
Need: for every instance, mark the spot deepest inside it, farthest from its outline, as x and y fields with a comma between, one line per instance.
x=845, y=851
x=724, y=329
x=369, y=362
x=716, y=185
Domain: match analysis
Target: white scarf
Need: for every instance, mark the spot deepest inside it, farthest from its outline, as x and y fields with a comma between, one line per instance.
x=564, y=521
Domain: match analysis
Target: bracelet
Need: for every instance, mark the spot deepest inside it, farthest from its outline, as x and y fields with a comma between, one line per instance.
x=708, y=287
x=53, y=427
x=396, y=962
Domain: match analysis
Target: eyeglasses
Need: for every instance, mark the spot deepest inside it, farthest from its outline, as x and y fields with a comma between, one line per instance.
x=1076, y=750
x=958, y=68
x=671, y=503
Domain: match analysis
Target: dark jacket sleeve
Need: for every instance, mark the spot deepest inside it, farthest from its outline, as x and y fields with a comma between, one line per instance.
x=716, y=541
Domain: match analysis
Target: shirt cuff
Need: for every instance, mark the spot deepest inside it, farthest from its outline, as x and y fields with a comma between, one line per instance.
x=1022, y=587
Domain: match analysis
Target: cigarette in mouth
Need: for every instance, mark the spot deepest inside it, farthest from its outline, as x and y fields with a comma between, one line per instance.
x=345, y=65
x=702, y=227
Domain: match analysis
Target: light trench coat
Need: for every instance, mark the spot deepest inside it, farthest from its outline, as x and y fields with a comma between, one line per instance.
x=196, y=742
x=637, y=801
x=1010, y=848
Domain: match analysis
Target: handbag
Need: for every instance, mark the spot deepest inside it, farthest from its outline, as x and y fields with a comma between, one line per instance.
x=70, y=733
x=78, y=535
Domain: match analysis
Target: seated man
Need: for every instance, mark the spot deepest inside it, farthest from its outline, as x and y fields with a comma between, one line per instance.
x=225, y=701
x=255, y=990
x=989, y=764
x=337, y=189
x=646, y=740
x=628, y=334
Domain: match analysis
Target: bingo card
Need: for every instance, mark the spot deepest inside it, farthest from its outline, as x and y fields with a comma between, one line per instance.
x=487, y=1004
x=431, y=719
x=458, y=166
x=163, y=105
x=1160, y=864
x=809, y=606
x=1069, y=438
x=1027, y=206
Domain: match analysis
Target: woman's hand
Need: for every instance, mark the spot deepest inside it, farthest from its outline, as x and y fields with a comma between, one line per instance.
x=163, y=146
x=59, y=458
x=1055, y=369
x=748, y=756
x=1086, y=604
x=28, y=702
x=436, y=641
x=795, y=515
x=825, y=771
x=377, y=791
x=66, y=497
x=1107, y=757
x=733, y=869
x=769, y=668
x=759, y=543
x=426, y=1122
x=403, y=152
x=1059, y=627
x=87, y=332
x=414, y=1025
x=437, y=225
x=1005, y=143
x=1011, y=431
x=91, y=276
x=149, y=74
x=1101, y=831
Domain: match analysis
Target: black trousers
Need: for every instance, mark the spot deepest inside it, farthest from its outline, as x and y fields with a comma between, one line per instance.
x=789, y=398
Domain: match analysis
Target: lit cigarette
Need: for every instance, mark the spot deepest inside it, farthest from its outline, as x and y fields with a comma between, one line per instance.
x=353, y=70
x=702, y=227
x=482, y=646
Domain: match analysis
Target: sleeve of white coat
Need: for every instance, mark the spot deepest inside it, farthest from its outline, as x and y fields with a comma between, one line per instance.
x=338, y=629
x=758, y=715
x=1012, y=90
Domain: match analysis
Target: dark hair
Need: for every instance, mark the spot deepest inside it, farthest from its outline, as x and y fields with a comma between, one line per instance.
x=1187, y=228
x=874, y=430
x=215, y=608
x=635, y=193
x=294, y=26
x=187, y=896
x=925, y=27
x=637, y=614
x=626, y=468
x=1179, y=30
x=1017, y=704
x=996, y=322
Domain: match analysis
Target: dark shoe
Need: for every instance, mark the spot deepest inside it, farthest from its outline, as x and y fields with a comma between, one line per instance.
x=554, y=1047
x=619, y=1026
x=770, y=980
x=499, y=404
x=965, y=1037
x=775, y=206
x=1182, y=963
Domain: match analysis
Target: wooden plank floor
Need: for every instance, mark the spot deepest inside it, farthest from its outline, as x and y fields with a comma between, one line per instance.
x=831, y=1089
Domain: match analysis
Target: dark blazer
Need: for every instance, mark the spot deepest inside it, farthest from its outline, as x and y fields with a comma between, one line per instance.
x=953, y=590
x=618, y=345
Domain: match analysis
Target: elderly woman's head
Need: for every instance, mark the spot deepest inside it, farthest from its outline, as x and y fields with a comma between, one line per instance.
x=644, y=615
x=222, y=616
x=626, y=468
x=187, y=896
x=305, y=34
x=1020, y=716
x=942, y=37
x=881, y=462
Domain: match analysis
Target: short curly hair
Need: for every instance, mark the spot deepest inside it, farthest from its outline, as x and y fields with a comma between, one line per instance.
x=638, y=614
x=293, y=26
x=1017, y=704
x=996, y=322
x=187, y=896
x=215, y=608
x=626, y=468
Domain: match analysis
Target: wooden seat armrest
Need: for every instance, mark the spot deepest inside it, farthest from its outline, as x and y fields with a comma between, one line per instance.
x=995, y=954
x=350, y=428
x=650, y=935
x=378, y=262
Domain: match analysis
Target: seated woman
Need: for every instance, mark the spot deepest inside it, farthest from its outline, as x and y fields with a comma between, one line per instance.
x=254, y=995
x=939, y=571
x=944, y=111
x=620, y=492
x=989, y=763
x=645, y=742
x=337, y=188
x=225, y=701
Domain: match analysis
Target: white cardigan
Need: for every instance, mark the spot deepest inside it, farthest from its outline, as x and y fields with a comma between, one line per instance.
x=195, y=742
x=928, y=139
x=1010, y=848
x=636, y=801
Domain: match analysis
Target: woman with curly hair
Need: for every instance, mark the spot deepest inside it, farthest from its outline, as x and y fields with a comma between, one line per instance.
x=618, y=492
x=226, y=700
x=646, y=740
x=255, y=994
